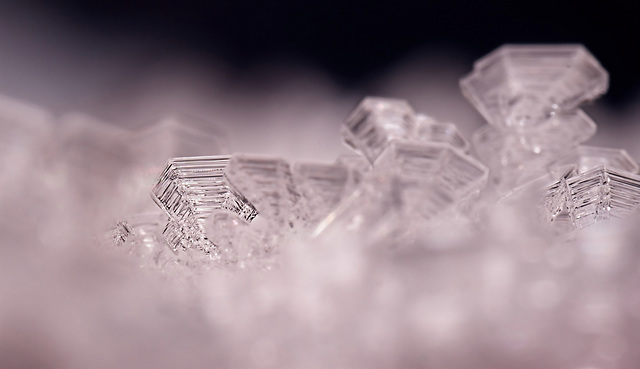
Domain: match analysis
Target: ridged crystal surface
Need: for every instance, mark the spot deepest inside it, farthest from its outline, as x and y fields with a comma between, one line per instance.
x=375, y=122
x=429, y=130
x=516, y=157
x=595, y=195
x=196, y=186
x=438, y=164
x=152, y=145
x=522, y=86
x=530, y=97
x=411, y=184
x=322, y=187
x=188, y=234
x=267, y=183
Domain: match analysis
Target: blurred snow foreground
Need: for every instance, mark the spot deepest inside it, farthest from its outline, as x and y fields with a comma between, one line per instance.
x=517, y=250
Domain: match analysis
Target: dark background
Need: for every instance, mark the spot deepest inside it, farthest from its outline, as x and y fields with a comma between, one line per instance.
x=351, y=40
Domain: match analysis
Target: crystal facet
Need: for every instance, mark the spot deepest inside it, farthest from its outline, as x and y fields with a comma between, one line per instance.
x=267, y=183
x=530, y=97
x=594, y=195
x=322, y=186
x=429, y=130
x=196, y=186
x=375, y=122
x=522, y=86
x=439, y=164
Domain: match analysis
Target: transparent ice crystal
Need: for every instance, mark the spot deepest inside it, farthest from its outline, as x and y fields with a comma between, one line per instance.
x=411, y=184
x=322, y=187
x=441, y=165
x=530, y=96
x=194, y=187
x=189, y=190
x=375, y=122
x=523, y=86
x=140, y=235
x=266, y=182
x=516, y=158
x=188, y=234
x=597, y=194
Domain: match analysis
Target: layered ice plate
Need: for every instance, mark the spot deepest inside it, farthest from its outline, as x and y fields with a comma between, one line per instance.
x=522, y=86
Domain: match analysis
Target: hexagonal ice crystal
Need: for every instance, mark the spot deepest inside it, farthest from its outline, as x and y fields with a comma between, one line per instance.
x=522, y=86
x=594, y=195
x=194, y=187
x=375, y=122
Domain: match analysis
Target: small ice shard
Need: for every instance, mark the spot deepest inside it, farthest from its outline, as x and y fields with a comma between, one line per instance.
x=429, y=130
x=375, y=122
x=522, y=86
x=140, y=235
x=322, y=186
x=597, y=194
x=188, y=234
x=121, y=233
x=194, y=187
x=584, y=158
